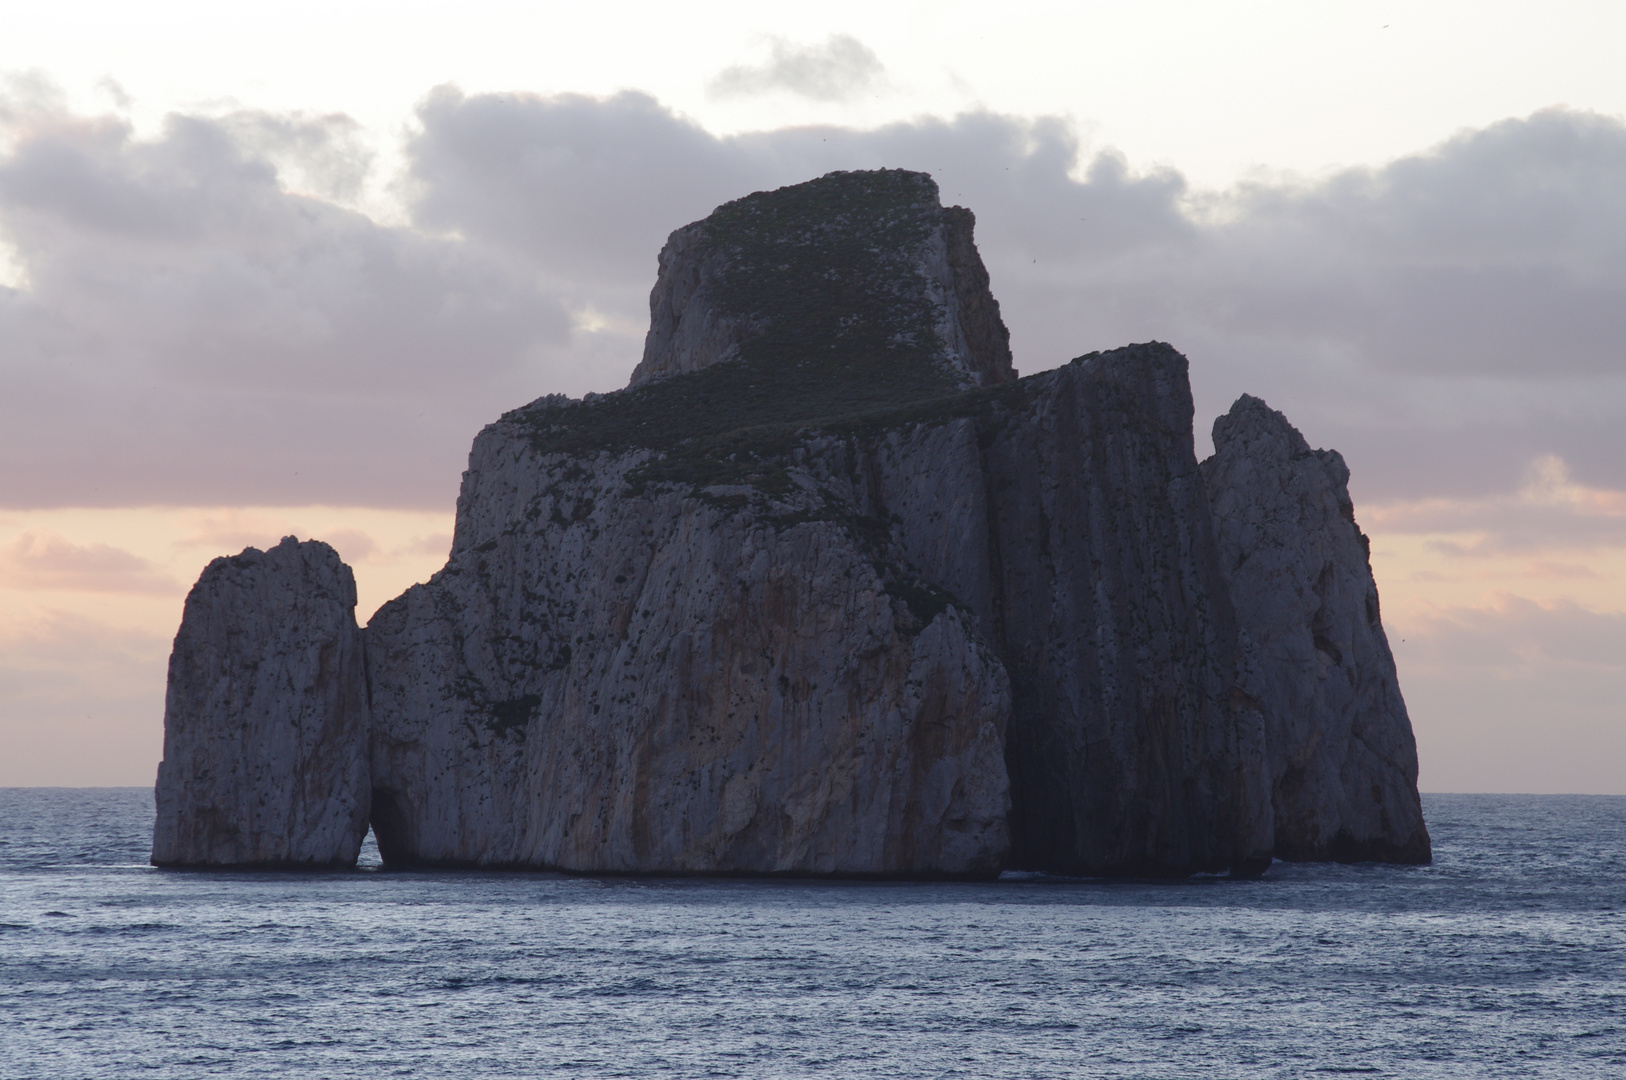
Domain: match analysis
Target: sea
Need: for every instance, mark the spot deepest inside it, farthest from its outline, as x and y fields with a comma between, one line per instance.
x=1505, y=958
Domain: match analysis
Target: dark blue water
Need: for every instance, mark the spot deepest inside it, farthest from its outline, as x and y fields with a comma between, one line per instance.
x=1507, y=957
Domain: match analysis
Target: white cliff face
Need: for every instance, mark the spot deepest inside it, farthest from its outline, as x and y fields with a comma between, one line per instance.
x=1342, y=757
x=265, y=721
x=685, y=332
x=676, y=682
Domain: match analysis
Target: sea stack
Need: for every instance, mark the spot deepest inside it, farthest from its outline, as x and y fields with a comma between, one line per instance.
x=1343, y=762
x=827, y=590
x=265, y=720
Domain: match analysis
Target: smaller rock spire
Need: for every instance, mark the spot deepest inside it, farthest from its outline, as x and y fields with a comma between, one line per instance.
x=266, y=718
x=1343, y=760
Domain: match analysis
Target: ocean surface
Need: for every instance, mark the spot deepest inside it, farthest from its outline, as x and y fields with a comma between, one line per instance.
x=1506, y=958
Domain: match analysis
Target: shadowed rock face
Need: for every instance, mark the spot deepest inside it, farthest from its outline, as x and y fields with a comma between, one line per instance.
x=265, y=722
x=828, y=591
x=1343, y=762
x=1129, y=751
x=852, y=262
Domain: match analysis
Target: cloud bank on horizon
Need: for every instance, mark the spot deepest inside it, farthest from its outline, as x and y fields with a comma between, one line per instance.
x=202, y=318
x=222, y=329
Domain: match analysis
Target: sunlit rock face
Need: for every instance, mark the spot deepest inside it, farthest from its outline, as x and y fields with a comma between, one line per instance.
x=1343, y=762
x=679, y=681
x=265, y=721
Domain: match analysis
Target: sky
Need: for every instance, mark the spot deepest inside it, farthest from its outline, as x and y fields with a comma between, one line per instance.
x=268, y=272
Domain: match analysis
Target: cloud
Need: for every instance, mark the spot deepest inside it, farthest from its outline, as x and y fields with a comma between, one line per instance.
x=580, y=187
x=192, y=332
x=588, y=189
x=1516, y=695
x=1549, y=512
x=58, y=641
x=1444, y=319
x=326, y=156
x=1498, y=252
x=840, y=69
x=1512, y=635
x=208, y=336
x=36, y=561
x=353, y=545
x=183, y=257
x=81, y=702
x=230, y=530
x=437, y=544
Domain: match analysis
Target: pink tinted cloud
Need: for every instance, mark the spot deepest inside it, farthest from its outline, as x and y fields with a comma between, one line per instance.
x=1514, y=634
x=81, y=702
x=42, y=561
x=232, y=531
x=1549, y=512
x=1517, y=696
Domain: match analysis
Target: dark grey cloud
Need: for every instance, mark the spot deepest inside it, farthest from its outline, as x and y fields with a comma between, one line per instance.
x=1444, y=320
x=587, y=189
x=1499, y=253
x=193, y=332
x=838, y=69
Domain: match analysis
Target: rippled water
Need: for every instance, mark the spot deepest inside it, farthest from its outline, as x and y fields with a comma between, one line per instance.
x=1507, y=957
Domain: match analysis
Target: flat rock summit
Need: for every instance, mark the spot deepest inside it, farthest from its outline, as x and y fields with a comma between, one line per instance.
x=827, y=590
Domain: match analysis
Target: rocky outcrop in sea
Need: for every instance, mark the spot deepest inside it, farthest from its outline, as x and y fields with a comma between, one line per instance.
x=266, y=721
x=828, y=590
x=1343, y=763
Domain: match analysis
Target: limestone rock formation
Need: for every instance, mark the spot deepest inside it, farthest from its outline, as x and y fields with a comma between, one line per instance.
x=1343, y=762
x=777, y=615
x=826, y=591
x=265, y=722
x=804, y=669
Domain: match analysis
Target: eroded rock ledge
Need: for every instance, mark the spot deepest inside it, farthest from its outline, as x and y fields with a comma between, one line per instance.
x=825, y=591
